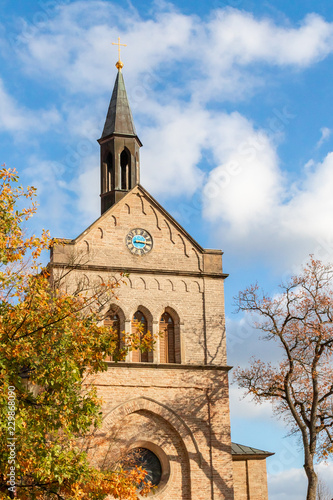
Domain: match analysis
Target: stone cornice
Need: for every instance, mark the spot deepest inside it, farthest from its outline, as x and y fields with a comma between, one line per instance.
x=136, y=270
x=168, y=366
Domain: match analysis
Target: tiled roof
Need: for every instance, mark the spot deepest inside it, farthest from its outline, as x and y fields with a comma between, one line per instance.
x=240, y=449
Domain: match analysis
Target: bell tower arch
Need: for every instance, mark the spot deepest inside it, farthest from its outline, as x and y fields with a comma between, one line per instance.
x=119, y=148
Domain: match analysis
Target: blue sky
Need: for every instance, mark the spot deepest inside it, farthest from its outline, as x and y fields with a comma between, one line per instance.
x=232, y=101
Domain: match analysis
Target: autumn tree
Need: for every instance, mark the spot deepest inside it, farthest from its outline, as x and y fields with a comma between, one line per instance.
x=300, y=320
x=50, y=342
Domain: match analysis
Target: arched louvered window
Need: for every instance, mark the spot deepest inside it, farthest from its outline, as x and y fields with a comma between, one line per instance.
x=113, y=321
x=109, y=173
x=167, y=340
x=125, y=169
x=139, y=324
x=137, y=169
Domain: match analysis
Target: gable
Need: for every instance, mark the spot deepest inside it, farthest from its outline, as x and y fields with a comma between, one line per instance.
x=173, y=249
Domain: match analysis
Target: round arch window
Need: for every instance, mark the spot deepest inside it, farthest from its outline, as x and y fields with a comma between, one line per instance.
x=142, y=457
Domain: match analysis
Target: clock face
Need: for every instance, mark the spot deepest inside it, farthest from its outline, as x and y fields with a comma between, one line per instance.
x=139, y=241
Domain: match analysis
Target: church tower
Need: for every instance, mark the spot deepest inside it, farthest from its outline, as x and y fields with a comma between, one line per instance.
x=119, y=148
x=171, y=404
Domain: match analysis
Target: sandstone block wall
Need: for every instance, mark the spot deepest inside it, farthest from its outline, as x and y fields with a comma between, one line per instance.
x=250, y=479
x=178, y=411
x=184, y=412
x=171, y=277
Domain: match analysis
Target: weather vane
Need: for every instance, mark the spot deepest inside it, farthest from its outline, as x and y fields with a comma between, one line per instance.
x=119, y=64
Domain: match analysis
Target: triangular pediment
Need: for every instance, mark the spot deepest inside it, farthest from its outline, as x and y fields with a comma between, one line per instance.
x=113, y=239
x=147, y=201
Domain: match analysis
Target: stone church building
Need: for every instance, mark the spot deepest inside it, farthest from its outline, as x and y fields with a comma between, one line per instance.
x=171, y=404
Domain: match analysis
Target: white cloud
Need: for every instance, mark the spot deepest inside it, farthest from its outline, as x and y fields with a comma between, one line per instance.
x=287, y=484
x=244, y=341
x=246, y=193
x=257, y=208
x=86, y=186
x=325, y=473
x=292, y=483
x=245, y=408
x=310, y=210
x=15, y=118
x=65, y=206
x=234, y=40
x=238, y=35
x=170, y=165
x=74, y=47
x=244, y=189
x=247, y=196
x=52, y=192
x=325, y=134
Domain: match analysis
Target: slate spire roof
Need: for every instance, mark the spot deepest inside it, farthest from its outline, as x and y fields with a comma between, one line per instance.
x=119, y=119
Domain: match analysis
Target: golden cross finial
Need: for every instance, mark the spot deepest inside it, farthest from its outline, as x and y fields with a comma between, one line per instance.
x=119, y=64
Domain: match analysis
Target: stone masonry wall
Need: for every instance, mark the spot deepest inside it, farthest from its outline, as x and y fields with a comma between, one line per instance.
x=171, y=276
x=183, y=411
x=178, y=411
x=250, y=479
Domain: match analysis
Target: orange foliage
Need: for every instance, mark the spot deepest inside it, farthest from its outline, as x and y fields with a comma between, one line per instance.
x=50, y=341
x=300, y=320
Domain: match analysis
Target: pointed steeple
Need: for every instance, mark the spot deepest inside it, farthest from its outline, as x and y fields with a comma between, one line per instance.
x=119, y=119
x=120, y=145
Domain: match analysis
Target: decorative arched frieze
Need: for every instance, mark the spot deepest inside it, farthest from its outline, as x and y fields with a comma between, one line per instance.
x=195, y=287
x=127, y=208
x=101, y=233
x=184, y=244
x=154, y=284
x=128, y=281
x=142, y=204
x=114, y=220
x=87, y=246
x=198, y=259
x=170, y=231
x=156, y=217
x=168, y=286
x=140, y=284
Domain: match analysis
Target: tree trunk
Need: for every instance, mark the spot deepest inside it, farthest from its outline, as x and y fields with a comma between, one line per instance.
x=312, y=482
